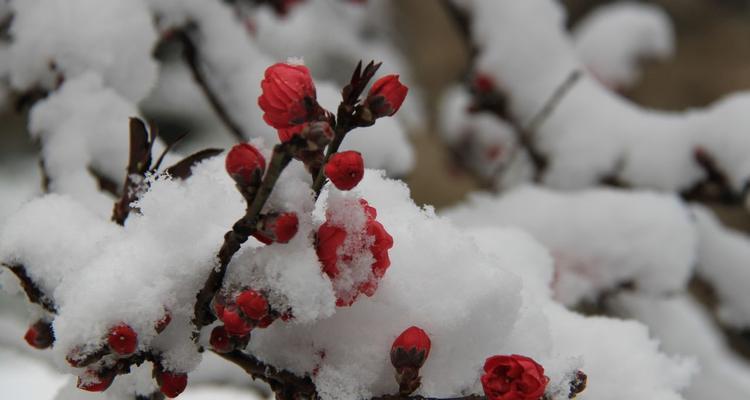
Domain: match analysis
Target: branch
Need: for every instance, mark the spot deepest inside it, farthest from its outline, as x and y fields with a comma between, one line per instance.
x=191, y=56
x=241, y=231
x=285, y=384
x=33, y=292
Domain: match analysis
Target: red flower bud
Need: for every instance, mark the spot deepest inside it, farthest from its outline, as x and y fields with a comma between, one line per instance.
x=279, y=228
x=288, y=97
x=345, y=169
x=162, y=324
x=513, y=377
x=93, y=381
x=40, y=335
x=220, y=341
x=122, y=339
x=287, y=134
x=410, y=349
x=245, y=164
x=386, y=96
x=171, y=384
x=266, y=321
x=234, y=323
x=253, y=304
x=483, y=83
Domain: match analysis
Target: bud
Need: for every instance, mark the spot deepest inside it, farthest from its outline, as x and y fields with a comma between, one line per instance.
x=245, y=164
x=386, y=96
x=162, y=324
x=408, y=353
x=122, y=339
x=171, y=384
x=345, y=169
x=410, y=349
x=234, y=323
x=279, y=228
x=288, y=97
x=40, y=335
x=93, y=381
x=253, y=304
x=220, y=341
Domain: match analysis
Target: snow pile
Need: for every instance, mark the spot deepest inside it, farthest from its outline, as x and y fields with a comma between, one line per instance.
x=109, y=37
x=683, y=327
x=84, y=125
x=615, y=38
x=476, y=292
x=722, y=261
x=649, y=241
x=593, y=133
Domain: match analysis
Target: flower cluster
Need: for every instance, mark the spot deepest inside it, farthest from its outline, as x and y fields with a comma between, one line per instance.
x=355, y=257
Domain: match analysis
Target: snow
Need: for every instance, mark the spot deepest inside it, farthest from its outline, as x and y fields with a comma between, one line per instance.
x=722, y=255
x=111, y=38
x=593, y=133
x=614, y=39
x=650, y=241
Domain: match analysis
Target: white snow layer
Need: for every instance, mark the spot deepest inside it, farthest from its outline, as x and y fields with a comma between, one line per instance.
x=55, y=39
x=593, y=133
x=599, y=238
x=477, y=292
x=614, y=39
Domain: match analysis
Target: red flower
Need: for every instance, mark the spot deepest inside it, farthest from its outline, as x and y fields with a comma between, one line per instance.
x=234, y=323
x=279, y=228
x=40, y=335
x=253, y=304
x=122, y=339
x=287, y=134
x=220, y=341
x=386, y=96
x=245, y=164
x=331, y=237
x=513, y=377
x=345, y=169
x=93, y=381
x=410, y=349
x=288, y=97
x=171, y=384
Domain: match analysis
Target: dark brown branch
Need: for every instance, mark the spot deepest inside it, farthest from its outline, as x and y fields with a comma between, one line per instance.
x=105, y=183
x=241, y=231
x=348, y=115
x=191, y=56
x=33, y=292
x=398, y=397
x=285, y=384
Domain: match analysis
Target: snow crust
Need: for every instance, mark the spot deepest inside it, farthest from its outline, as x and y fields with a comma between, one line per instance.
x=593, y=133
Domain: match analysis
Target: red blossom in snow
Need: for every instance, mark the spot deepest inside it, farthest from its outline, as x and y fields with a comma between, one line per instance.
x=220, y=341
x=513, y=377
x=410, y=349
x=330, y=237
x=171, y=384
x=245, y=164
x=345, y=169
x=253, y=304
x=279, y=228
x=288, y=97
x=386, y=96
x=40, y=335
x=234, y=323
x=93, y=381
x=122, y=339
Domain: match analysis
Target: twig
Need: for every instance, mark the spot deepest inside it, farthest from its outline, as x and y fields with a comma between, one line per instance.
x=552, y=102
x=241, y=231
x=33, y=292
x=285, y=384
x=191, y=56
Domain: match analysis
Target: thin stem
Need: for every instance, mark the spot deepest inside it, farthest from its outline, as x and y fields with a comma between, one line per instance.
x=33, y=292
x=320, y=179
x=241, y=231
x=191, y=56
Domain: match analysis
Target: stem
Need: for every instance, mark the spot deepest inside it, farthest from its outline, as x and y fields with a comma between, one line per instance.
x=320, y=179
x=285, y=384
x=192, y=59
x=33, y=292
x=241, y=231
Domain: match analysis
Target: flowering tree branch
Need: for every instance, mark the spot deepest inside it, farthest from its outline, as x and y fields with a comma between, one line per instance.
x=32, y=290
x=191, y=55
